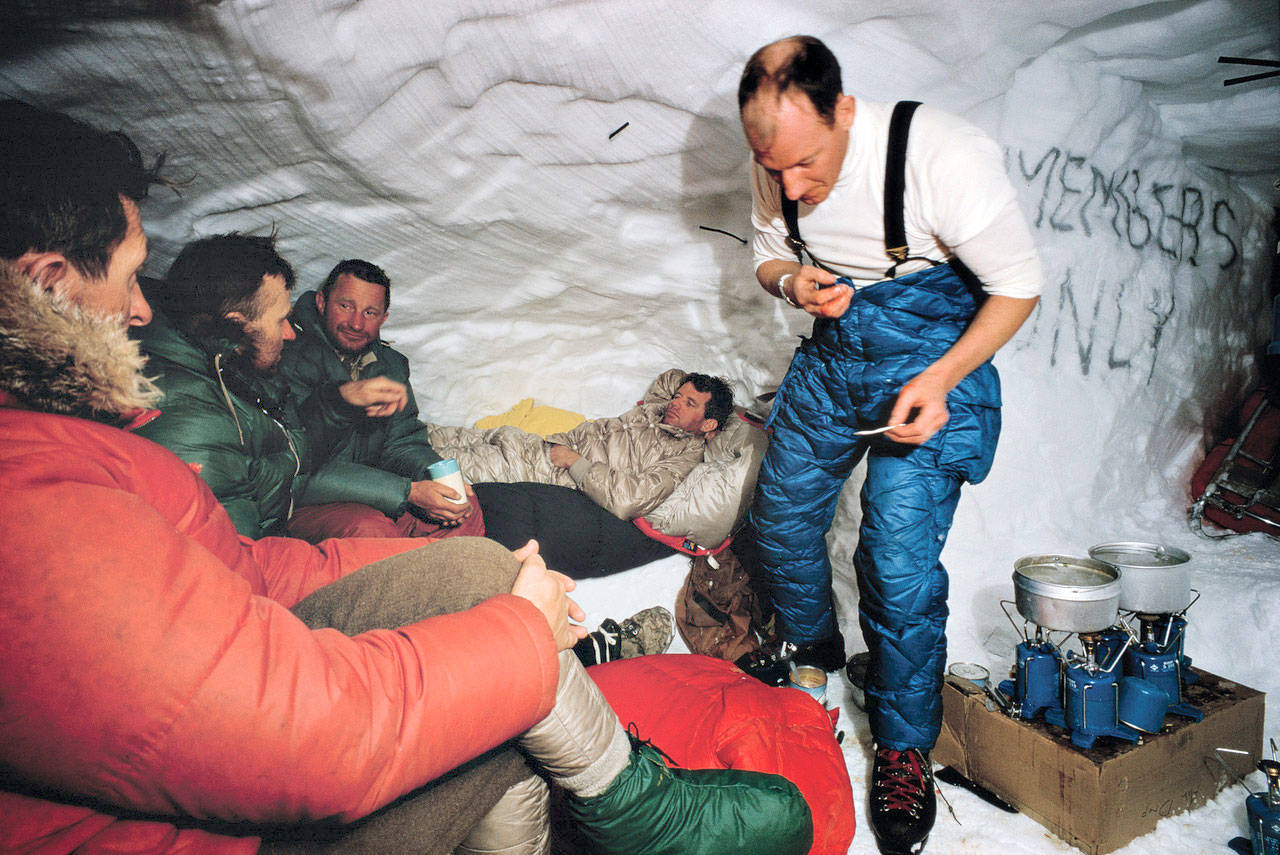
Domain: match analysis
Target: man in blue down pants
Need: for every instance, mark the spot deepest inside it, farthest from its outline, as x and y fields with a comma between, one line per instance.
x=922, y=267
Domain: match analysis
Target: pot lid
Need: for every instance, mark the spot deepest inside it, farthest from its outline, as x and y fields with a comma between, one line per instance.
x=1137, y=554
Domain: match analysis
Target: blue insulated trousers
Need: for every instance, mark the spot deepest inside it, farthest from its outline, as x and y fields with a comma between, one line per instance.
x=845, y=378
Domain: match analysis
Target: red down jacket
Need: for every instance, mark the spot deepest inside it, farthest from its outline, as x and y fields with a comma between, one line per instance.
x=706, y=714
x=148, y=661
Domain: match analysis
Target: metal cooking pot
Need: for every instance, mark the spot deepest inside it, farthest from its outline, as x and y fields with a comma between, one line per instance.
x=1065, y=593
x=1153, y=579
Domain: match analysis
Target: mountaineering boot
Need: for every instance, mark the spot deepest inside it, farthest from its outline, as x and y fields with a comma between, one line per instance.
x=644, y=633
x=769, y=665
x=628, y=802
x=856, y=671
x=773, y=664
x=653, y=809
x=903, y=804
x=827, y=654
x=647, y=632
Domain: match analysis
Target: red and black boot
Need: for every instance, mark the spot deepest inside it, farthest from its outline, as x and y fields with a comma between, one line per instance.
x=903, y=804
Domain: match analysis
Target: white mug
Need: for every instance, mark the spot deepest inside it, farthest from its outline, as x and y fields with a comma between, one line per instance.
x=446, y=471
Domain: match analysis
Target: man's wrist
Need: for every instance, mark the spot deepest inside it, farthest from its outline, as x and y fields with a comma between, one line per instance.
x=783, y=281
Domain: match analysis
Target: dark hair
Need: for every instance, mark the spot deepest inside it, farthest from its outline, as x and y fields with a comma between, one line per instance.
x=720, y=405
x=217, y=275
x=362, y=270
x=810, y=67
x=61, y=182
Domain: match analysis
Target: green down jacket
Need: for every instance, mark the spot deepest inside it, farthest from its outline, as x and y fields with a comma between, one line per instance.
x=387, y=453
x=238, y=430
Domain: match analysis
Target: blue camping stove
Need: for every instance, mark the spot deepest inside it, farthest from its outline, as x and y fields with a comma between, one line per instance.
x=1159, y=659
x=1035, y=687
x=1264, y=811
x=1091, y=696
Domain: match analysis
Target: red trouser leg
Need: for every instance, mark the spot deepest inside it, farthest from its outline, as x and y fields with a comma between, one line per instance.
x=472, y=526
x=314, y=523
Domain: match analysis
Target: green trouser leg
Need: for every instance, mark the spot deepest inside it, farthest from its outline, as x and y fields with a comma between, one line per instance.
x=626, y=801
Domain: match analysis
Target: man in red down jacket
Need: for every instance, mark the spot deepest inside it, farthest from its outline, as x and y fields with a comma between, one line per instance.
x=156, y=692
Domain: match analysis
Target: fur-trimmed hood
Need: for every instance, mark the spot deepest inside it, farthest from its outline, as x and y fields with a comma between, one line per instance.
x=58, y=358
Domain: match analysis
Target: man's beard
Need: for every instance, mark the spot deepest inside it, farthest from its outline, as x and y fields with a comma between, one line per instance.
x=258, y=355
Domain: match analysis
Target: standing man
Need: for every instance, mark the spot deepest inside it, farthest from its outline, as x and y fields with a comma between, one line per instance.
x=337, y=343
x=902, y=342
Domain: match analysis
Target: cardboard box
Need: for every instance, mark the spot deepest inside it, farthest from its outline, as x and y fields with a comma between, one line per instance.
x=1100, y=799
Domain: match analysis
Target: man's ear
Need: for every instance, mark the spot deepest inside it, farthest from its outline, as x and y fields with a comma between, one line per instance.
x=844, y=110
x=238, y=318
x=320, y=301
x=708, y=427
x=49, y=269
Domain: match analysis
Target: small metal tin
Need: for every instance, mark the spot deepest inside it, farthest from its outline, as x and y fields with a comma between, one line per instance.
x=970, y=671
x=811, y=680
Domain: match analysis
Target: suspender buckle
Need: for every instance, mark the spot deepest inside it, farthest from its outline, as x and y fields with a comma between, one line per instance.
x=897, y=253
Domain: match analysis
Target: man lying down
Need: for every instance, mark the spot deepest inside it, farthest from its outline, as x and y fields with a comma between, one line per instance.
x=628, y=465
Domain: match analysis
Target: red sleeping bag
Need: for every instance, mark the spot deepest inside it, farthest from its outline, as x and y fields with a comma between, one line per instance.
x=706, y=714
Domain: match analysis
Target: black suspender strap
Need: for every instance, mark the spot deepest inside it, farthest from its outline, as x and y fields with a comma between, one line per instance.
x=793, y=226
x=895, y=181
x=797, y=244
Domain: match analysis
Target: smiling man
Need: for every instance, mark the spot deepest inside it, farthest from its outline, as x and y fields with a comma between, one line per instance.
x=221, y=325
x=339, y=341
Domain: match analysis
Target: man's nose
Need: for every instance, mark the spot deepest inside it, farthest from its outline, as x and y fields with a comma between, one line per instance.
x=139, y=309
x=289, y=332
x=792, y=185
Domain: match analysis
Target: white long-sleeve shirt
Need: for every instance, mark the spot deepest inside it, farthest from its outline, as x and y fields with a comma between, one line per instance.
x=958, y=201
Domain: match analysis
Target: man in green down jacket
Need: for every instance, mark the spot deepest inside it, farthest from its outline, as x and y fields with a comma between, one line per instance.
x=220, y=325
x=338, y=342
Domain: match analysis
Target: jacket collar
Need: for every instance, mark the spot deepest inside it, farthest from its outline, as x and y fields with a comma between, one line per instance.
x=57, y=358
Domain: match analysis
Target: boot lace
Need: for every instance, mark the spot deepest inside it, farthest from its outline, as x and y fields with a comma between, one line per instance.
x=633, y=733
x=901, y=784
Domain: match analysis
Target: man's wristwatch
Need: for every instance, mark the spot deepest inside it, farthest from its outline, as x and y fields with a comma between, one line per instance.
x=782, y=290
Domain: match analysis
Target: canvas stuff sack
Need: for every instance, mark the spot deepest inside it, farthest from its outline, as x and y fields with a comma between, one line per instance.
x=717, y=611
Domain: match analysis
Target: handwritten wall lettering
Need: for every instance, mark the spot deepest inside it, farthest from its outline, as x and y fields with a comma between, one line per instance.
x=1176, y=220
x=1100, y=324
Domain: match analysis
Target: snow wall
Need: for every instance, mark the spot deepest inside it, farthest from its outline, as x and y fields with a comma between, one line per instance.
x=544, y=182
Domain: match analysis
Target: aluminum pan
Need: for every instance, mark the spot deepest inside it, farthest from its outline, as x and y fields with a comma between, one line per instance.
x=1067, y=593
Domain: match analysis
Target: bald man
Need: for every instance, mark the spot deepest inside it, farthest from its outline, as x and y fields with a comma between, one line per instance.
x=898, y=369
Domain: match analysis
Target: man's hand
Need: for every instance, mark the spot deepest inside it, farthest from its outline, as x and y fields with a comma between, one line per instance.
x=434, y=498
x=924, y=401
x=817, y=292
x=563, y=456
x=378, y=396
x=549, y=591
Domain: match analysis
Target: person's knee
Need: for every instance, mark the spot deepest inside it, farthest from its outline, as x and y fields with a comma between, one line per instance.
x=485, y=566
x=437, y=578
